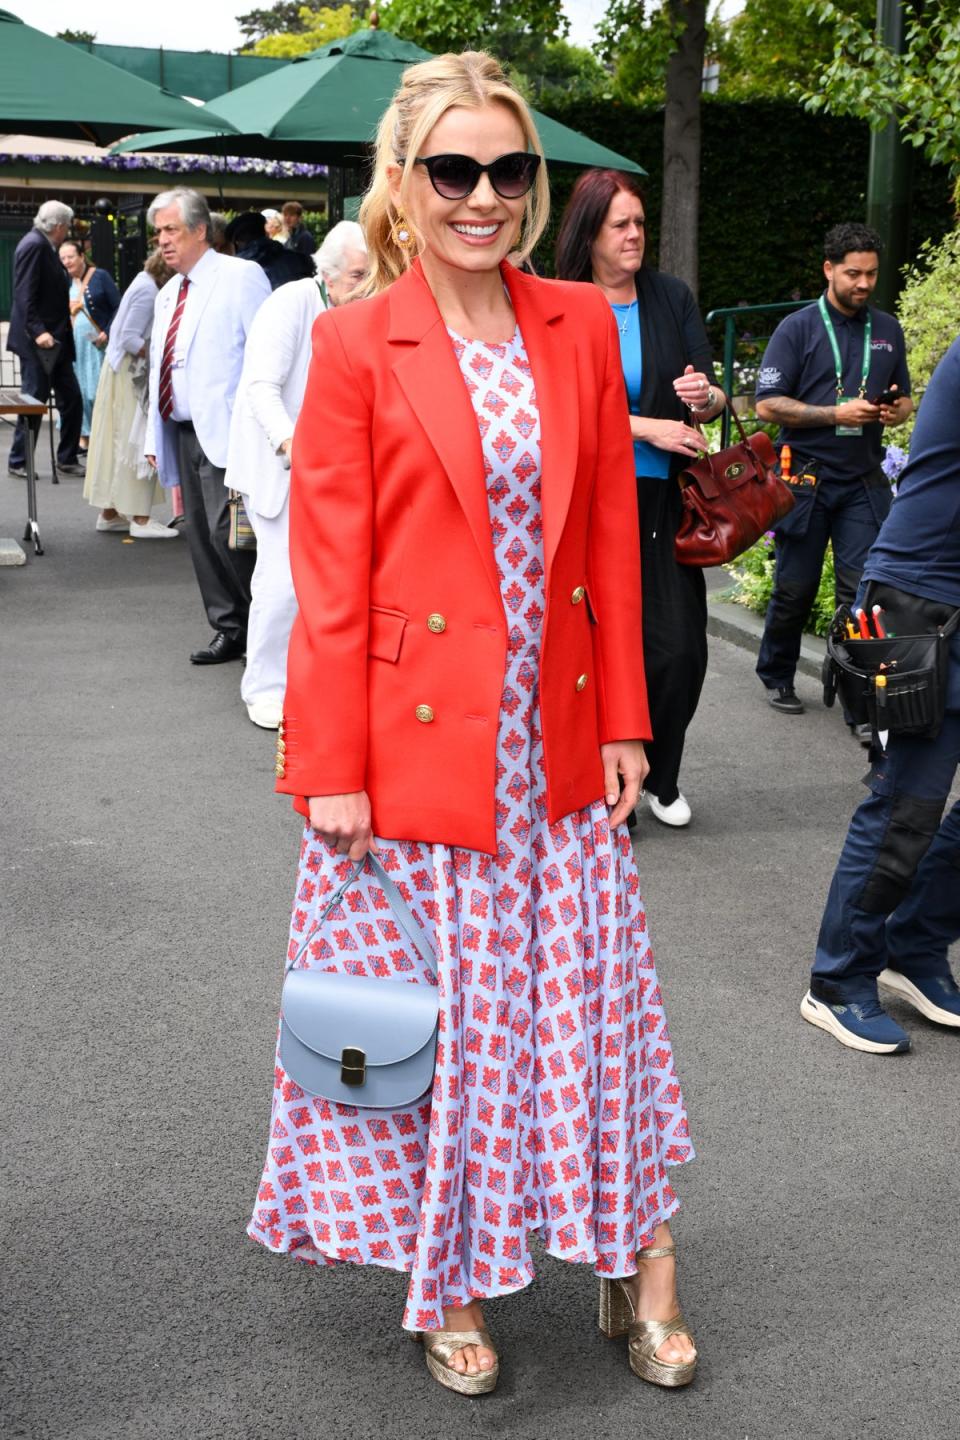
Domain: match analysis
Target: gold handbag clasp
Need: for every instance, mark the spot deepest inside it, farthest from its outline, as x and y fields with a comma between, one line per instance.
x=353, y=1066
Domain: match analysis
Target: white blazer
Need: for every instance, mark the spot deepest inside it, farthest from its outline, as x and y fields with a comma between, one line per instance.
x=270, y=394
x=213, y=331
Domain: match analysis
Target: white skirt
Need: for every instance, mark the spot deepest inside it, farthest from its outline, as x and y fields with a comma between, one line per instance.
x=118, y=476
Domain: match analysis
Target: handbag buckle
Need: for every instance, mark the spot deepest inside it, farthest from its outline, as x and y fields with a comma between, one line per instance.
x=353, y=1066
x=734, y=471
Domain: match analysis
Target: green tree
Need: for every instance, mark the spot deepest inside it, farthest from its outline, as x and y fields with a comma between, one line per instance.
x=772, y=47
x=921, y=87
x=283, y=18
x=557, y=72
x=513, y=30
x=317, y=25
x=77, y=37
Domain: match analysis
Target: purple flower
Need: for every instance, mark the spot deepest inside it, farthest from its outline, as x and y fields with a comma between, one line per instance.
x=894, y=460
x=178, y=164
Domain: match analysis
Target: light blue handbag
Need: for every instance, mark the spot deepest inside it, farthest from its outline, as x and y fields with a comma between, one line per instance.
x=357, y=1040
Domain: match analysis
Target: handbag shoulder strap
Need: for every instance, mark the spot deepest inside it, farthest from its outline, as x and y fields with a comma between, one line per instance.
x=398, y=906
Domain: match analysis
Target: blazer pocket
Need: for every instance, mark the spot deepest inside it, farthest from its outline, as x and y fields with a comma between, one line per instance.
x=386, y=633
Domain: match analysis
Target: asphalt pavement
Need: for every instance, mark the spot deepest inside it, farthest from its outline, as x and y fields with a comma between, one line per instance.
x=147, y=871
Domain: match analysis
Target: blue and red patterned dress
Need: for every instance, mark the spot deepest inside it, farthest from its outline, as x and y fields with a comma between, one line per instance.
x=555, y=1106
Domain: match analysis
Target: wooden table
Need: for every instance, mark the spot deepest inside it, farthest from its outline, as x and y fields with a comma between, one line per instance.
x=14, y=402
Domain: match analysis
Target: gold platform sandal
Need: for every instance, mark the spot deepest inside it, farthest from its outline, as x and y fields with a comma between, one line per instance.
x=617, y=1317
x=439, y=1348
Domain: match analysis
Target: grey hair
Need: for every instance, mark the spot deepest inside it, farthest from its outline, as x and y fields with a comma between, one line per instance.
x=345, y=235
x=51, y=214
x=218, y=226
x=194, y=210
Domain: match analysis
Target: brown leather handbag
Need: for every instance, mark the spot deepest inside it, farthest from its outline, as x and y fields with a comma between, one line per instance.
x=729, y=500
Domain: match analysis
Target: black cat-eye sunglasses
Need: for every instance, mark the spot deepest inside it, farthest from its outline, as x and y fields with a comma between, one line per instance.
x=457, y=176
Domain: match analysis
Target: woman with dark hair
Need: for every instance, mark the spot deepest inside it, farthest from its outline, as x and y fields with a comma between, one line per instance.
x=667, y=371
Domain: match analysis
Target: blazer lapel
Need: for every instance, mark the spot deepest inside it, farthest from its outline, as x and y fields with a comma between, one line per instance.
x=427, y=371
x=552, y=354
x=198, y=298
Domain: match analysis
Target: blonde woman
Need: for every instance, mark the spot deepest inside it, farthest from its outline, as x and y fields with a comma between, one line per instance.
x=464, y=700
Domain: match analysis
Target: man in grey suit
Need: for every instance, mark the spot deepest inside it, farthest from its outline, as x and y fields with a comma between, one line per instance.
x=201, y=322
x=41, y=334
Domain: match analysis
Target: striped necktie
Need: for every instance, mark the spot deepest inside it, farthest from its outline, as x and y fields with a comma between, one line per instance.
x=166, y=362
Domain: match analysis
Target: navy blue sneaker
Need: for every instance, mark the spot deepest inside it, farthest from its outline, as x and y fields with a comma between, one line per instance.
x=936, y=997
x=862, y=1024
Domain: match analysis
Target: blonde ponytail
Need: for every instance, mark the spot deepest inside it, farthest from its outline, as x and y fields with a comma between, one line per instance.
x=427, y=91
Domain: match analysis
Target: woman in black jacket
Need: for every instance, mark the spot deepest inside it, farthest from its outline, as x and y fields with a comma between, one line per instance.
x=668, y=372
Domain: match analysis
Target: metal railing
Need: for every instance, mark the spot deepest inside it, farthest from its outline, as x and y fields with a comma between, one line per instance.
x=729, y=317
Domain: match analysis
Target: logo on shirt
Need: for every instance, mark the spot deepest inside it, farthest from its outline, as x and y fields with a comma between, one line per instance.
x=769, y=375
x=881, y=345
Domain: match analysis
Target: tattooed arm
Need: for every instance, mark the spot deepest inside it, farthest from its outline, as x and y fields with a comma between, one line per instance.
x=795, y=414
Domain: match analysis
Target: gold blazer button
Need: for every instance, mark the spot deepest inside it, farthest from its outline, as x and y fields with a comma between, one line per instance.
x=424, y=714
x=436, y=624
x=581, y=682
x=577, y=595
x=279, y=770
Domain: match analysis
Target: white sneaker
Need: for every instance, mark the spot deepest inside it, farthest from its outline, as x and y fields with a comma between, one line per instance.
x=677, y=814
x=121, y=523
x=152, y=530
x=266, y=713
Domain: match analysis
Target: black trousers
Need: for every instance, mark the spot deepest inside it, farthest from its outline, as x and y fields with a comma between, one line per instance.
x=674, y=633
x=223, y=574
x=35, y=381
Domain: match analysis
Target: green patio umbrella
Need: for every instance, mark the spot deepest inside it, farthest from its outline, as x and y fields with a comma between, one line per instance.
x=48, y=87
x=325, y=108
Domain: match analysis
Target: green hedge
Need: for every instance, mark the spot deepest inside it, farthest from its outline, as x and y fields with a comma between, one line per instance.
x=773, y=179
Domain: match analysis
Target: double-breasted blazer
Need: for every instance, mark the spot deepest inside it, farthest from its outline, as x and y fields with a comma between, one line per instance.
x=397, y=657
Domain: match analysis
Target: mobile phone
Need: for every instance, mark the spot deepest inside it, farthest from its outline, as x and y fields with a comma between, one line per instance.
x=886, y=397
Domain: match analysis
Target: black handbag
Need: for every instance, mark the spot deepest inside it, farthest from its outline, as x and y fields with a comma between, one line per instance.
x=896, y=684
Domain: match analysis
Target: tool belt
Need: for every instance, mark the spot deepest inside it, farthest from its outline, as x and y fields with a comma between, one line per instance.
x=898, y=684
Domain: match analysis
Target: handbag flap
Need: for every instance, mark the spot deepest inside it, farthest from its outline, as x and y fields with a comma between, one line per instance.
x=389, y=1020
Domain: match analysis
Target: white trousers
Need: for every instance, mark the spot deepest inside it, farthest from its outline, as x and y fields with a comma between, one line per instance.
x=273, y=607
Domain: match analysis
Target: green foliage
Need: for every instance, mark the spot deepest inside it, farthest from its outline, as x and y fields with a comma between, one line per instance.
x=929, y=311
x=558, y=72
x=867, y=79
x=77, y=37
x=635, y=37
x=772, y=47
x=278, y=19
x=753, y=573
x=317, y=25
x=513, y=30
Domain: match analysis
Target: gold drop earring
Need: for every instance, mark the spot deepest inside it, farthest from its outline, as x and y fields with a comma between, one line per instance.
x=401, y=233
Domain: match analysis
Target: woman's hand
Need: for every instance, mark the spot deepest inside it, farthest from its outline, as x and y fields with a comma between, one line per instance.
x=670, y=435
x=623, y=760
x=344, y=822
x=100, y=341
x=693, y=388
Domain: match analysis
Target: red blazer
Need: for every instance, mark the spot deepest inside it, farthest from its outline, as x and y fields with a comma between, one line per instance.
x=397, y=656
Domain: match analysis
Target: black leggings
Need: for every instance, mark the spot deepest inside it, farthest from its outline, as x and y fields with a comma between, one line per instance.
x=674, y=633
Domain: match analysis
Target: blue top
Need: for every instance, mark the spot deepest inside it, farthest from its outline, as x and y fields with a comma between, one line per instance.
x=647, y=458
x=799, y=363
x=918, y=548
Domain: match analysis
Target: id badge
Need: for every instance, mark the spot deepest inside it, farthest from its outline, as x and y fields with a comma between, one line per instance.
x=849, y=429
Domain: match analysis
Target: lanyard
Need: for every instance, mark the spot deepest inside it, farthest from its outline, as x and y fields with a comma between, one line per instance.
x=837, y=361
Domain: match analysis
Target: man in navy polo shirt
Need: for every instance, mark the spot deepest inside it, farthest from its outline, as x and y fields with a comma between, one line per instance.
x=834, y=373
x=894, y=904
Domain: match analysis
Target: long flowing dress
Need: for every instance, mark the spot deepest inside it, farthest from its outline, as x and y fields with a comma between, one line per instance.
x=556, y=1106
x=88, y=360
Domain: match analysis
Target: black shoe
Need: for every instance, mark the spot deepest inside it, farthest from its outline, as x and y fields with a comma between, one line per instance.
x=785, y=699
x=222, y=647
x=17, y=472
x=72, y=467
